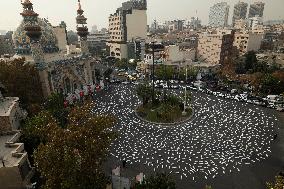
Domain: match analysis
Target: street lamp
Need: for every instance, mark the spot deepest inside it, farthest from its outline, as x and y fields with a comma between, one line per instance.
x=153, y=71
x=185, y=95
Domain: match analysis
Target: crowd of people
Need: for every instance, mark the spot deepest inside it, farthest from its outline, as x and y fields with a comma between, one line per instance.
x=80, y=95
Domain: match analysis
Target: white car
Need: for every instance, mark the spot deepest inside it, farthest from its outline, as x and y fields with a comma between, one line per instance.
x=280, y=109
x=125, y=82
x=165, y=86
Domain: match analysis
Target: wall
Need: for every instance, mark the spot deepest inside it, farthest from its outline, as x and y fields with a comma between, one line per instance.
x=209, y=48
x=119, y=50
x=254, y=42
x=61, y=37
x=10, y=178
x=5, y=124
x=136, y=24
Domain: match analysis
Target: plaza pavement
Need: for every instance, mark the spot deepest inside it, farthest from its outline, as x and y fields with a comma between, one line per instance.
x=228, y=144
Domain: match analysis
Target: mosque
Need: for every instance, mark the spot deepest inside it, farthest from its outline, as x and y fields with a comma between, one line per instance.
x=62, y=68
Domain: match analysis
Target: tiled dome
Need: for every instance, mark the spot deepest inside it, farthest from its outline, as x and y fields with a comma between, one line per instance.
x=48, y=39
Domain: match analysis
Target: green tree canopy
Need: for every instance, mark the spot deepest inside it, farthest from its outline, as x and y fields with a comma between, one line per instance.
x=73, y=157
x=21, y=80
x=144, y=92
x=108, y=72
x=277, y=184
x=271, y=85
x=55, y=105
x=165, y=72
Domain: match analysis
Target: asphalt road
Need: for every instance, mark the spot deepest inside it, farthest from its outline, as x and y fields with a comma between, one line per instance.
x=227, y=144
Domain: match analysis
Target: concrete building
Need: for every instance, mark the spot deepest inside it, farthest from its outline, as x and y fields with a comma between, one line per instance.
x=170, y=55
x=61, y=36
x=97, y=42
x=194, y=23
x=127, y=24
x=173, y=54
x=15, y=169
x=247, y=41
x=176, y=25
x=255, y=22
x=6, y=44
x=218, y=15
x=256, y=9
x=215, y=48
x=241, y=24
x=10, y=113
x=240, y=11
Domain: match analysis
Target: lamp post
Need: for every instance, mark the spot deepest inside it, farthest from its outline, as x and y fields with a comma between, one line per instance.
x=185, y=95
x=153, y=71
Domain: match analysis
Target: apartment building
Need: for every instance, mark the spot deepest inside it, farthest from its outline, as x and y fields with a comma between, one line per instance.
x=215, y=48
x=97, y=42
x=247, y=41
x=127, y=24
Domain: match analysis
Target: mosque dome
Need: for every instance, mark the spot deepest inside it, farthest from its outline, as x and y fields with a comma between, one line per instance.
x=48, y=39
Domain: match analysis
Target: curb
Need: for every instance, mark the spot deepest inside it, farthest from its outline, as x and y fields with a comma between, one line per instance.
x=166, y=124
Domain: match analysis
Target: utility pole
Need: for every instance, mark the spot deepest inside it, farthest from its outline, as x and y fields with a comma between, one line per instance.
x=185, y=95
x=153, y=72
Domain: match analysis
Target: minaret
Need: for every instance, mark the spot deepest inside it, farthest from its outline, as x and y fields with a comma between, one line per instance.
x=82, y=29
x=33, y=31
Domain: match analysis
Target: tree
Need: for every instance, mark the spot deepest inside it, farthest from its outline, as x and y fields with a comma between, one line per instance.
x=55, y=105
x=98, y=74
x=72, y=38
x=108, y=72
x=250, y=60
x=73, y=157
x=278, y=183
x=165, y=72
x=271, y=85
x=191, y=73
x=37, y=130
x=158, y=181
x=22, y=80
x=144, y=92
x=122, y=64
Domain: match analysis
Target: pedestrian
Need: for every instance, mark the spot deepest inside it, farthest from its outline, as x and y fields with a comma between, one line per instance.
x=81, y=96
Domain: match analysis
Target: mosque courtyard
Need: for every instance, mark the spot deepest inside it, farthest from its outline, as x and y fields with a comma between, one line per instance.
x=226, y=144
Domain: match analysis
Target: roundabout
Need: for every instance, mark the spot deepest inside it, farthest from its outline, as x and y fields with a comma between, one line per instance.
x=221, y=138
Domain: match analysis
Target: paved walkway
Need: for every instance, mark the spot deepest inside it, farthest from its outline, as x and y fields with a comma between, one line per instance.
x=227, y=145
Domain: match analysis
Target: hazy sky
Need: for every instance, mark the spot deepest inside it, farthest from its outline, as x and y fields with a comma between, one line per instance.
x=97, y=11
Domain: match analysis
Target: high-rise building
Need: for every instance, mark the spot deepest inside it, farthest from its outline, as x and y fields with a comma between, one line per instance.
x=240, y=11
x=127, y=24
x=256, y=9
x=218, y=16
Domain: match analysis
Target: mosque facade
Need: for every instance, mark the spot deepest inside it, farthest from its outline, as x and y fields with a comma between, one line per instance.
x=45, y=47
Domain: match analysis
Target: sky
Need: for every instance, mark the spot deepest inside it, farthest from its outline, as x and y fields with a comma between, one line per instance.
x=97, y=11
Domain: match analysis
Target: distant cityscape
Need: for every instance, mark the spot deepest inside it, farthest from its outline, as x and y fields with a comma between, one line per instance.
x=160, y=105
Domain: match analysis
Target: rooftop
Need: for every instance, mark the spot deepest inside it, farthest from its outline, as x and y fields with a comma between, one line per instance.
x=7, y=104
x=11, y=153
